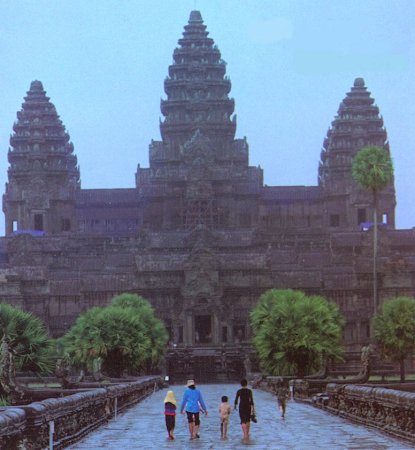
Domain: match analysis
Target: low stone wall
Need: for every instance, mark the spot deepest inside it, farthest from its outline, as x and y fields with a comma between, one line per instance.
x=29, y=427
x=389, y=410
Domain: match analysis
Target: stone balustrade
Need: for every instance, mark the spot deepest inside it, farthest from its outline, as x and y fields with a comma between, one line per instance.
x=389, y=410
x=67, y=419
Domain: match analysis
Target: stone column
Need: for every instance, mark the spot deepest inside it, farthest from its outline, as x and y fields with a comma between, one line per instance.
x=188, y=332
x=216, y=328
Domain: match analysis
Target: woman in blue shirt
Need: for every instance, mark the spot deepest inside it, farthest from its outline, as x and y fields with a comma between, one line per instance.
x=193, y=404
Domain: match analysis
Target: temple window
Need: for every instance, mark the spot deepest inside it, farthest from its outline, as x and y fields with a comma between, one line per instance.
x=334, y=220
x=385, y=218
x=224, y=333
x=365, y=329
x=38, y=222
x=361, y=216
x=65, y=224
x=238, y=333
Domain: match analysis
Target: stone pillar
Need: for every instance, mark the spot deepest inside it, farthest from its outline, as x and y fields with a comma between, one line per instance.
x=188, y=332
x=216, y=329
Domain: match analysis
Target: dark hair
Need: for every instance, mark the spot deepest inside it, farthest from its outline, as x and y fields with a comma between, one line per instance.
x=192, y=386
x=224, y=398
x=244, y=382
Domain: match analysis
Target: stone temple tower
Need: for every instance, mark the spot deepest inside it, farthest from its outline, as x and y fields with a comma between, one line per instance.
x=43, y=176
x=356, y=125
x=199, y=173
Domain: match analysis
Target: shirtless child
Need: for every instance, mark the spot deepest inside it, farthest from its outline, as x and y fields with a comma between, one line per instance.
x=224, y=411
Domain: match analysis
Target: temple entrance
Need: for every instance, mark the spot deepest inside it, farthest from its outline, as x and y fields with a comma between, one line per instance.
x=203, y=329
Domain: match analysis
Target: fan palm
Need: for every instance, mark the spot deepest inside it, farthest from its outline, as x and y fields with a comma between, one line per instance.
x=395, y=330
x=294, y=333
x=372, y=168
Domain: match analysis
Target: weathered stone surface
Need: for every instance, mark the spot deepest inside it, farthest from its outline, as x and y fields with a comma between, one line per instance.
x=200, y=235
x=387, y=409
x=73, y=416
x=304, y=427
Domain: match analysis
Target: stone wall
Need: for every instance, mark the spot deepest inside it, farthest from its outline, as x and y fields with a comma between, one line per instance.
x=389, y=410
x=71, y=417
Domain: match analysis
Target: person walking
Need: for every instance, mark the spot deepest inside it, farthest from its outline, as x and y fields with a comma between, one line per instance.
x=246, y=407
x=193, y=404
x=170, y=404
x=282, y=394
x=224, y=412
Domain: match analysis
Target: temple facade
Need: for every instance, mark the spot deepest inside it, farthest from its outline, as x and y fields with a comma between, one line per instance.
x=200, y=235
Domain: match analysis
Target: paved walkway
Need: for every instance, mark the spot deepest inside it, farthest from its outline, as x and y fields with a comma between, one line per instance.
x=305, y=427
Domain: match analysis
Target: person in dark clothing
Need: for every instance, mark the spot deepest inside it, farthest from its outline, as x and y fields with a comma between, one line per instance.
x=246, y=407
x=283, y=393
x=170, y=413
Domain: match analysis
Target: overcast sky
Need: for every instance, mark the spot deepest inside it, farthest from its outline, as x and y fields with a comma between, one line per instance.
x=291, y=62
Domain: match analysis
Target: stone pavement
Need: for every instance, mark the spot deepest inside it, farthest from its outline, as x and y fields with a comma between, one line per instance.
x=305, y=427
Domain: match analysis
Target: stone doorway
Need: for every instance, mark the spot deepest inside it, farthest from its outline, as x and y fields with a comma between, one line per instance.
x=203, y=329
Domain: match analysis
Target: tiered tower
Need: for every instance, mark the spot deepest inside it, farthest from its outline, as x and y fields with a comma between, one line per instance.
x=197, y=90
x=199, y=174
x=357, y=125
x=43, y=174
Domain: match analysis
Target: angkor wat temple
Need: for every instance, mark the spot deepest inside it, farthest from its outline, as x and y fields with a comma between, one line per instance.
x=199, y=235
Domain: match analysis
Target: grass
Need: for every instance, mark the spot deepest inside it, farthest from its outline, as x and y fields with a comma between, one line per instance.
x=43, y=385
x=408, y=377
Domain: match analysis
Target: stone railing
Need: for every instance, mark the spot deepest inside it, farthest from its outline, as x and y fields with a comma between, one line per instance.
x=389, y=410
x=66, y=420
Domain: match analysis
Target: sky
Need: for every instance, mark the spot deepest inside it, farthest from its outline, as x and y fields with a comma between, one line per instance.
x=291, y=63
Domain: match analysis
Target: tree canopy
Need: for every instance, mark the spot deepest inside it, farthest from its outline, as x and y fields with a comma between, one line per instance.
x=395, y=330
x=27, y=340
x=372, y=168
x=155, y=328
x=295, y=334
x=125, y=335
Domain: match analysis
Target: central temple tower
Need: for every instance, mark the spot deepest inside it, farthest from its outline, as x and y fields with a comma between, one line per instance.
x=199, y=174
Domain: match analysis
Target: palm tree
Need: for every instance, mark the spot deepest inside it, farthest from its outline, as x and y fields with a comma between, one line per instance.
x=294, y=333
x=125, y=336
x=155, y=328
x=372, y=168
x=25, y=346
x=111, y=334
x=395, y=330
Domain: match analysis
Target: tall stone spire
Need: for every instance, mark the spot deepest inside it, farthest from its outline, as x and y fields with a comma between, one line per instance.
x=43, y=174
x=197, y=89
x=198, y=163
x=357, y=124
